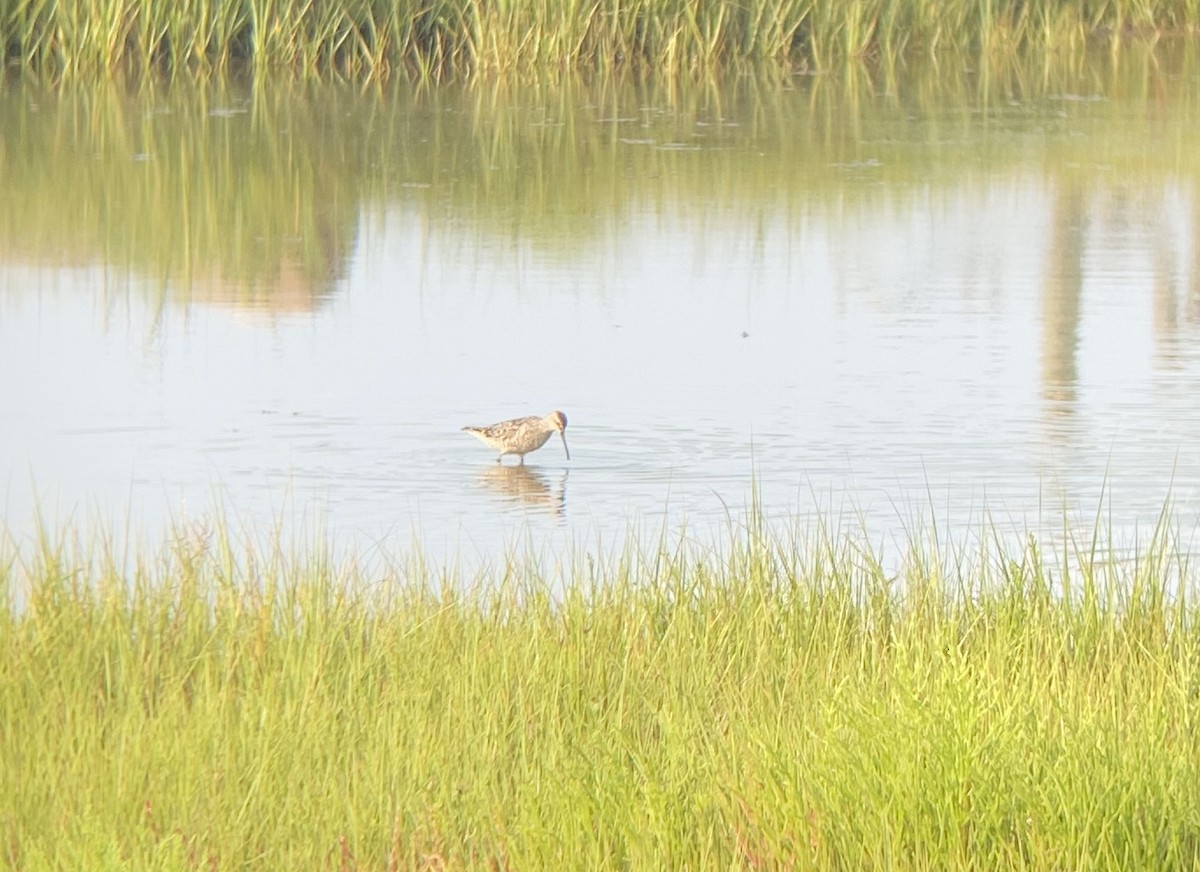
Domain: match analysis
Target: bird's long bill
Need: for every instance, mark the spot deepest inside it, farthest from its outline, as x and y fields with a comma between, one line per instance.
x=565, y=448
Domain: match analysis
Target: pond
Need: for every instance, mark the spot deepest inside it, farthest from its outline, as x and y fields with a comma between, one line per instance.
x=951, y=292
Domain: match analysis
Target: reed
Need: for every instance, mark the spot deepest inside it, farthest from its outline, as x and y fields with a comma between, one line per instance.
x=775, y=700
x=371, y=38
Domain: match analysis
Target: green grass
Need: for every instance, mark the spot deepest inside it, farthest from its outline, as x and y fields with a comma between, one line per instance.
x=371, y=38
x=762, y=704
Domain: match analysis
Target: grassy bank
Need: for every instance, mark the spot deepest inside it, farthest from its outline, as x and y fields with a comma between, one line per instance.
x=785, y=705
x=374, y=37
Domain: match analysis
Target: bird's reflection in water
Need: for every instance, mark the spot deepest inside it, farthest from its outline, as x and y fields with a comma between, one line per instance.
x=527, y=486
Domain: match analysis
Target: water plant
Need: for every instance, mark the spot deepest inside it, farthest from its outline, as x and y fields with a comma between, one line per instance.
x=371, y=38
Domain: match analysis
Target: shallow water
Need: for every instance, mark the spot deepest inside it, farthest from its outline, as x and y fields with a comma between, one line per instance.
x=878, y=296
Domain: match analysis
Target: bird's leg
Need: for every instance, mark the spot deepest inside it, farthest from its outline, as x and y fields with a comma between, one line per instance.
x=522, y=460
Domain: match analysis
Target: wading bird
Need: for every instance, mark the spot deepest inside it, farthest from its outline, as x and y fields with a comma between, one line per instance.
x=522, y=435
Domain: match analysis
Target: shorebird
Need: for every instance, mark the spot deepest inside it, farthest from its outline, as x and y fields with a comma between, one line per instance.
x=522, y=435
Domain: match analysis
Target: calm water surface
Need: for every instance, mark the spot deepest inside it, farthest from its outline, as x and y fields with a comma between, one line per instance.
x=937, y=292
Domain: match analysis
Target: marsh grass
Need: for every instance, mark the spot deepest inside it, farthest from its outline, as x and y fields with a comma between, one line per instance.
x=767, y=702
x=370, y=38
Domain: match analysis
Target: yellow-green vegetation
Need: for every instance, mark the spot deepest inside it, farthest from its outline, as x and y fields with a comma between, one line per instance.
x=374, y=37
x=762, y=703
